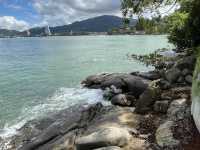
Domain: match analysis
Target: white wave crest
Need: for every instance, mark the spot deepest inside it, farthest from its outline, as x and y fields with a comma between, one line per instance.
x=61, y=99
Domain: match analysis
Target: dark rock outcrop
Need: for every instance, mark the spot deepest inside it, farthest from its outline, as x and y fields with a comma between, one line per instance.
x=147, y=99
x=172, y=75
x=126, y=82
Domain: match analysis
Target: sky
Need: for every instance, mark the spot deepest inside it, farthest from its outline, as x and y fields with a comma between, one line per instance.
x=23, y=14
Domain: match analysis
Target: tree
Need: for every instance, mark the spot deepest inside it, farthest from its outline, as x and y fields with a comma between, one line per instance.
x=184, y=24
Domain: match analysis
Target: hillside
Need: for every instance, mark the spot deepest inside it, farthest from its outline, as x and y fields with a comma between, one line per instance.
x=98, y=24
x=8, y=33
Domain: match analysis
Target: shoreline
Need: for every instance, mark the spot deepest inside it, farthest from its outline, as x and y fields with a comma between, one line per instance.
x=83, y=35
x=150, y=111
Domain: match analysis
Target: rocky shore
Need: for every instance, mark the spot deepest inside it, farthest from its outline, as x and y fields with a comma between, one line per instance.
x=149, y=111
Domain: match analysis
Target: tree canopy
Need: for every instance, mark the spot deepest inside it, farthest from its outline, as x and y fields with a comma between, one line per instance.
x=183, y=25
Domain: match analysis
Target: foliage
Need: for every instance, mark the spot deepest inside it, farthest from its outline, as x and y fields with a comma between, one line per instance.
x=177, y=29
x=140, y=6
x=183, y=25
x=156, y=25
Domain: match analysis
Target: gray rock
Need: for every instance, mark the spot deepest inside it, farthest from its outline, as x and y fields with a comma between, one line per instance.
x=123, y=100
x=109, y=148
x=164, y=135
x=115, y=90
x=113, y=81
x=104, y=137
x=161, y=106
x=94, y=81
x=186, y=62
x=111, y=92
x=172, y=75
x=180, y=79
x=177, y=109
x=66, y=121
x=125, y=82
x=189, y=79
x=147, y=99
x=151, y=75
x=164, y=84
x=186, y=72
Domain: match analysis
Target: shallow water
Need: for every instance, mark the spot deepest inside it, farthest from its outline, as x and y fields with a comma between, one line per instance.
x=39, y=76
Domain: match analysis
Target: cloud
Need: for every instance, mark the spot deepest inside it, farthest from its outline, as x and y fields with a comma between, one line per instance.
x=59, y=12
x=11, y=23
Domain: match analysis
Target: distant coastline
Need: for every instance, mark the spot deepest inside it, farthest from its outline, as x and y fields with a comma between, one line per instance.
x=84, y=34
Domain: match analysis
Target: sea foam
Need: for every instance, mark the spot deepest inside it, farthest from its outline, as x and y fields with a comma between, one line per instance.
x=61, y=99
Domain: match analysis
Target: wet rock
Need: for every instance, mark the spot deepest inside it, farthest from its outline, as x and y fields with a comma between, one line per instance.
x=151, y=75
x=172, y=75
x=123, y=100
x=94, y=81
x=164, y=135
x=125, y=82
x=161, y=106
x=113, y=81
x=189, y=79
x=109, y=148
x=115, y=90
x=111, y=92
x=65, y=122
x=147, y=99
x=112, y=136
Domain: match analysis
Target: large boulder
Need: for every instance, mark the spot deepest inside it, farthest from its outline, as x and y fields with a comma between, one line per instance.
x=59, y=127
x=172, y=74
x=104, y=137
x=147, y=99
x=126, y=82
x=164, y=135
x=151, y=75
x=186, y=62
x=177, y=109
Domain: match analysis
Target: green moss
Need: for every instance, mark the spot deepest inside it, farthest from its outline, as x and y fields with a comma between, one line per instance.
x=196, y=80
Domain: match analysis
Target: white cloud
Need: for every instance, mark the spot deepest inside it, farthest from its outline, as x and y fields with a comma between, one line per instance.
x=59, y=12
x=11, y=23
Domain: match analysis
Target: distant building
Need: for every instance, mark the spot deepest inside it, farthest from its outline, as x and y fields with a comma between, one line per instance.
x=47, y=31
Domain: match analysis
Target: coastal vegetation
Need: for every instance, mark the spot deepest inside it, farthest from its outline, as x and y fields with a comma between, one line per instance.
x=182, y=25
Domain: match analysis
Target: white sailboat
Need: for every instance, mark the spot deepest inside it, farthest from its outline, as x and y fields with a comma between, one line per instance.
x=47, y=31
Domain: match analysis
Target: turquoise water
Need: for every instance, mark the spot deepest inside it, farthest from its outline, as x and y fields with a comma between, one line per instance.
x=43, y=75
